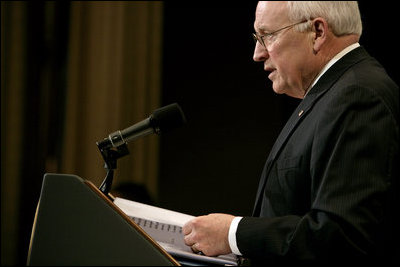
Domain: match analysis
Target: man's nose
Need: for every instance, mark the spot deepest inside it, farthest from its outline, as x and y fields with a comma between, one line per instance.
x=260, y=53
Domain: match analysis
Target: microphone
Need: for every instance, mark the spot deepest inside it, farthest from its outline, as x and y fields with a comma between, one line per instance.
x=162, y=120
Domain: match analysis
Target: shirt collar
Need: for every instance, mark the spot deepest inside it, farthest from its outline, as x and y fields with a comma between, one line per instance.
x=331, y=62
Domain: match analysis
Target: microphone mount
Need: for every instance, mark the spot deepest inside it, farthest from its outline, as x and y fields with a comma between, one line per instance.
x=110, y=156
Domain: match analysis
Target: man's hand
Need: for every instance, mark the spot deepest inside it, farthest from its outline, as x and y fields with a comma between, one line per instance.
x=209, y=234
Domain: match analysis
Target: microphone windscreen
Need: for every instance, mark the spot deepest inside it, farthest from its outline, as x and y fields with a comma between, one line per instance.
x=168, y=117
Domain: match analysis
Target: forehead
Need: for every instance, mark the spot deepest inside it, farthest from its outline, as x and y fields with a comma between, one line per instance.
x=270, y=15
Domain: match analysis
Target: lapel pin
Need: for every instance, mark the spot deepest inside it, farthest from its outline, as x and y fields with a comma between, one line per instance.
x=301, y=112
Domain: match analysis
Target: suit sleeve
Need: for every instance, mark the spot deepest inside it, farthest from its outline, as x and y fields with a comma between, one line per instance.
x=351, y=168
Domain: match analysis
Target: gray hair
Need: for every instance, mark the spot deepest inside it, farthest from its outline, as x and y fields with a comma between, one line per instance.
x=343, y=17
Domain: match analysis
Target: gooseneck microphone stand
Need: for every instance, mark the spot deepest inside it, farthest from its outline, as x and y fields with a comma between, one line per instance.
x=110, y=156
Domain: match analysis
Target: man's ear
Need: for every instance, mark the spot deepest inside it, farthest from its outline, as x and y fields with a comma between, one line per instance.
x=320, y=30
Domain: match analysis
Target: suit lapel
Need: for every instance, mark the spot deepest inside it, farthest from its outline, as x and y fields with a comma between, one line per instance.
x=322, y=86
x=299, y=113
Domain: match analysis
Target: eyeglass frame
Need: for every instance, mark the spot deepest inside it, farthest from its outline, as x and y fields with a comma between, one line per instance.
x=260, y=38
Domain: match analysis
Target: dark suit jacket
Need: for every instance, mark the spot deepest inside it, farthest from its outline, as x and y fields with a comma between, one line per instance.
x=328, y=188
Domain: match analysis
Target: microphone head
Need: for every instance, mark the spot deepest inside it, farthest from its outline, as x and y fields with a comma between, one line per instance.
x=167, y=118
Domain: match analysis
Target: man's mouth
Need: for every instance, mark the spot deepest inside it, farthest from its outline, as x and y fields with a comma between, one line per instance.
x=272, y=72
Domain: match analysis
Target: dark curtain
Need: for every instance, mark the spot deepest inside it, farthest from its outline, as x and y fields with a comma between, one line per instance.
x=34, y=43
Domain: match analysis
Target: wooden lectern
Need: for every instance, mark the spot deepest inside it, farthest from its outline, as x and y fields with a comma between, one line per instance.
x=76, y=224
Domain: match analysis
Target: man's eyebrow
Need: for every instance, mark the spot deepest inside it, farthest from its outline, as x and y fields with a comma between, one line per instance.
x=262, y=29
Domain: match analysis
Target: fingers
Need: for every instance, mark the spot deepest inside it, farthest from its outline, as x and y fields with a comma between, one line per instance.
x=196, y=248
x=187, y=228
x=188, y=238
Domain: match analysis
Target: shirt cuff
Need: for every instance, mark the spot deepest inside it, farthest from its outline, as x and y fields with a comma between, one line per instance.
x=232, y=235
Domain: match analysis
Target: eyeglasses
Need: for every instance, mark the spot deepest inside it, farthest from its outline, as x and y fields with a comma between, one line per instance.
x=269, y=37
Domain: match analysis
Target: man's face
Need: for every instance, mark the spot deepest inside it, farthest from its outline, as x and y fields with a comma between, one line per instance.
x=287, y=54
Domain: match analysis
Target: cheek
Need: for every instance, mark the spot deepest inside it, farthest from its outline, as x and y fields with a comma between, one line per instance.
x=281, y=59
x=290, y=53
x=285, y=69
x=288, y=64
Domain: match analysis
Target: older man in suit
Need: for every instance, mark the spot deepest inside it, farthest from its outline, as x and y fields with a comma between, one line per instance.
x=328, y=191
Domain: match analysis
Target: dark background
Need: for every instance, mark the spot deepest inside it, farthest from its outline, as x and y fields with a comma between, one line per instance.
x=213, y=163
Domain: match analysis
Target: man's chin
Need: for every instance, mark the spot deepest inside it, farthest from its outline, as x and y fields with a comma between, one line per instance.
x=277, y=89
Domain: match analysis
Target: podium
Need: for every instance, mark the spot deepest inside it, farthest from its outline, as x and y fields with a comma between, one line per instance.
x=76, y=224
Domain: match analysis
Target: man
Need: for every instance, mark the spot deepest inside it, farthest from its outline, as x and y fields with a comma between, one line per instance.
x=328, y=189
